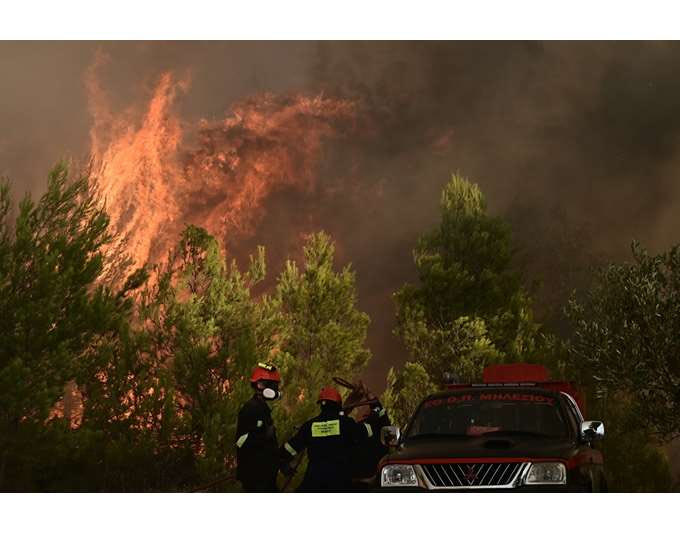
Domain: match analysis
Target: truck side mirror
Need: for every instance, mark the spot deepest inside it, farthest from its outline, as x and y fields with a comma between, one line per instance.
x=592, y=430
x=389, y=436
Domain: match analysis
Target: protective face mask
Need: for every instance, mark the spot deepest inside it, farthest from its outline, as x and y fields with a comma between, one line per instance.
x=271, y=394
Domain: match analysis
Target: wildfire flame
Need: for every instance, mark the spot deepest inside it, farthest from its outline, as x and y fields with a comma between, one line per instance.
x=155, y=181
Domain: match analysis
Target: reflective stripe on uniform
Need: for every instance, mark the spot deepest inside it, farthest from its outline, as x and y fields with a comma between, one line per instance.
x=290, y=449
x=381, y=412
x=240, y=441
x=259, y=423
x=369, y=430
x=322, y=429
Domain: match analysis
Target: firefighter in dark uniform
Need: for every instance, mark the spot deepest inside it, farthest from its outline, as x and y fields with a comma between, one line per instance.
x=257, y=450
x=365, y=458
x=329, y=439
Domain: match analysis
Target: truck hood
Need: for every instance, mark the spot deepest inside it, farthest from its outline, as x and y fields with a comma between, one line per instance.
x=482, y=447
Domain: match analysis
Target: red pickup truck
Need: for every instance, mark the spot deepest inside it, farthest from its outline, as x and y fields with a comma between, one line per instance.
x=517, y=430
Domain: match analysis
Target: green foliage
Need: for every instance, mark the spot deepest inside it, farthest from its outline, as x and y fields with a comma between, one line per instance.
x=157, y=368
x=326, y=332
x=47, y=312
x=206, y=332
x=624, y=350
x=633, y=462
x=51, y=311
x=626, y=336
x=464, y=270
x=405, y=389
x=464, y=343
x=469, y=309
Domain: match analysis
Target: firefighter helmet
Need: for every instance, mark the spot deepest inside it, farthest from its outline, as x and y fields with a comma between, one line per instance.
x=329, y=393
x=265, y=371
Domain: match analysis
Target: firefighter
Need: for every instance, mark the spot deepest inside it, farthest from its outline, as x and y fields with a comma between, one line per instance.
x=329, y=439
x=257, y=450
x=365, y=458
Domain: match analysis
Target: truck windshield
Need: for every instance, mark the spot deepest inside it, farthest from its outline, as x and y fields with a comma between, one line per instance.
x=489, y=413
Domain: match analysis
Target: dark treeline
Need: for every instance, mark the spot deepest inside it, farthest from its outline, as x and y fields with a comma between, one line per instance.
x=132, y=382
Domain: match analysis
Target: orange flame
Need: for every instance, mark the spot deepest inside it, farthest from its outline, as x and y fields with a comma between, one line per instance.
x=154, y=183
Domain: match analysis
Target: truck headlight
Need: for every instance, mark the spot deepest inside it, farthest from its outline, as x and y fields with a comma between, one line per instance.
x=398, y=476
x=546, y=473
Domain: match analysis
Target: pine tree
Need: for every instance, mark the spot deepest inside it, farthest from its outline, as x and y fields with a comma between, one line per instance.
x=469, y=308
x=465, y=270
x=52, y=312
x=207, y=332
x=326, y=332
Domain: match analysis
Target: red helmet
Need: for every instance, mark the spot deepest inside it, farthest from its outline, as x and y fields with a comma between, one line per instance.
x=265, y=371
x=329, y=394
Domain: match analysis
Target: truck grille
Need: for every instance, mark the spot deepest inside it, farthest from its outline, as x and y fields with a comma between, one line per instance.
x=476, y=475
